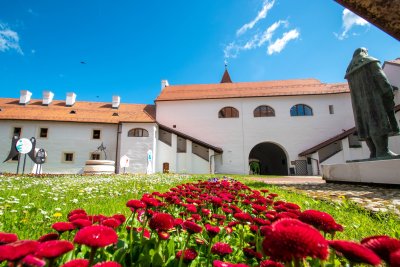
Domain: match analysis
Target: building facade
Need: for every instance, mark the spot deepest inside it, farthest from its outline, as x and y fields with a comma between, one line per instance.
x=285, y=127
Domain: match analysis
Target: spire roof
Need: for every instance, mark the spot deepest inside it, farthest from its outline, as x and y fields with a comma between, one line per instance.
x=226, y=78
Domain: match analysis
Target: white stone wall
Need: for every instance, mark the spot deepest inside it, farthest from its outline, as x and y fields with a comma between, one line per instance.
x=135, y=148
x=62, y=137
x=393, y=74
x=237, y=136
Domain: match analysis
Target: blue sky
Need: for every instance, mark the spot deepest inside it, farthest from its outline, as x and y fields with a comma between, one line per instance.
x=129, y=46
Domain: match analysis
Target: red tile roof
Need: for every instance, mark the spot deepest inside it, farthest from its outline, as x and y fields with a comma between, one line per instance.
x=393, y=62
x=97, y=112
x=226, y=78
x=251, y=89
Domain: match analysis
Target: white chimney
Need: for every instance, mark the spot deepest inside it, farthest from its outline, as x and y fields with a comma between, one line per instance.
x=71, y=97
x=47, y=98
x=116, y=100
x=25, y=97
x=164, y=83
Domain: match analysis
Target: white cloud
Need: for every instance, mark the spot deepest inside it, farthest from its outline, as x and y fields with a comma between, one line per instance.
x=257, y=41
x=267, y=5
x=231, y=50
x=9, y=39
x=349, y=20
x=279, y=44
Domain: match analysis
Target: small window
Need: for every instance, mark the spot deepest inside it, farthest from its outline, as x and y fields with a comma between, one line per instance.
x=354, y=142
x=43, y=132
x=165, y=137
x=96, y=134
x=264, y=111
x=95, y=156
x=115, y=114
x=138, y=132
x=331, y=111
x=72, y=112
x=228, y=112
x=181, y=145
x=17, y=131
x=301, y=110
x=68, y=157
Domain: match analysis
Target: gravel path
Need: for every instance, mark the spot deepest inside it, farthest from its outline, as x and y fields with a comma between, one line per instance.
x=375, y=198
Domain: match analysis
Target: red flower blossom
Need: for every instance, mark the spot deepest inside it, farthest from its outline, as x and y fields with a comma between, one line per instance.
x=107, y=264
x=77, y=263
x=120, y=217
x=96, y=236
x=178, y=222
x=206, y=212
x=355, y=252
x=17, y=250
x=111, y=222
x=135, y=204
x=192, y=227
x=163, y=235
x=216, y=201
x=261, y=221
x=191, y=208
x=76, y=211
x=259, y=208
x=218, y=263
x=269, y=263
x=212, y=231
x=243, y=217
x=78, y=216
x=48, y=237
x=219, y=217
x=63, y=226
x=196, y=217
x=320, y=220
x=6, y=238
x=161, y=222
x=383, y=246
x=32, y=261
x=97, y=218
x=221, y=249
x=251, y=253
x=395, y=259
x=285, y=214
x=291, y=239
x=81, y=223
x=53, y=248
x=189, y=255
x=146, y=232
x=150, y=202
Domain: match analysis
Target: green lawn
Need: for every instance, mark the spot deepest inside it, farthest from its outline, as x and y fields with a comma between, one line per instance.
x=29, y=205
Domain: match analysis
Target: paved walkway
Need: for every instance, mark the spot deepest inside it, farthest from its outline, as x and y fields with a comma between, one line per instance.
x=375, y=198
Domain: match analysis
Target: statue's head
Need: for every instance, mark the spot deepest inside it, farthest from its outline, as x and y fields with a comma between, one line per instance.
x=362, y=51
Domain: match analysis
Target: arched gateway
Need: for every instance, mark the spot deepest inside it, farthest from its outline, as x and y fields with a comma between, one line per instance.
x=271, y=158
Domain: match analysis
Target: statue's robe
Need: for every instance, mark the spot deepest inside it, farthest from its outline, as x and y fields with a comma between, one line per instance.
x=372, y=98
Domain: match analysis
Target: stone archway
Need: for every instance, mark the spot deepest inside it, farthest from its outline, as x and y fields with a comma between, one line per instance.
x=271, y=157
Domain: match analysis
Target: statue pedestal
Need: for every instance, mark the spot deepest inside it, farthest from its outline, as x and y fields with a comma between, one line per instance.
x=369, y=171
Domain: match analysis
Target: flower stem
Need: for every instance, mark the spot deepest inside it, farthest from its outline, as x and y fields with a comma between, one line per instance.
x=183, y=250
x=92, y=254
x=209, y=252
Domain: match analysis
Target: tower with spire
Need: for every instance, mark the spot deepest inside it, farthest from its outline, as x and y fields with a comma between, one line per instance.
x=226, y=78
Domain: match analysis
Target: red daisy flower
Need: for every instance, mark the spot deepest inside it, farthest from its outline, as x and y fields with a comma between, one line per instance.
x=53, y=248
x=81, y=223
x=383, y=246
x=32, y=261
x=189, y=255
x=161, y=221
x=221, y=249
x=259, y=208
x=17, y=250
x=111, y=222
x=261, y=221
x=63, y=226
x=269, y=263
x=355, y=252
x=107, y=264
x=77, y=263
x=192, y=227
x=216, y=201
x=243, y=217
x=76, y=211
x=206, y=212
x=320, y=220
x=291, y=239
x=48, y=237
x=178, y=222
x=212, y=231
x=163, y=235
x=120, y=217
x=395, y=259
x=135, y=204
x=146, y=232
x=218, y=263
x=78, y=216
x=6, y=238
x=150, y=202
x=96, y=236
x=196, y=217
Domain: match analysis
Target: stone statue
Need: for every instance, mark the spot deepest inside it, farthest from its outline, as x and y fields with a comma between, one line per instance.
x=373, y=104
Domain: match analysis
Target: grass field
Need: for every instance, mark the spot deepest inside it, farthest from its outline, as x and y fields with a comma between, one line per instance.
x=29, y=205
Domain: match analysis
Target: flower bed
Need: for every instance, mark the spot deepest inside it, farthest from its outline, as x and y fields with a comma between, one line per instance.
x=208, y=223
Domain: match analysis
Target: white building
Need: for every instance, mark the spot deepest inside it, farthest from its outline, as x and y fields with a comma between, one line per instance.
x=289, y=127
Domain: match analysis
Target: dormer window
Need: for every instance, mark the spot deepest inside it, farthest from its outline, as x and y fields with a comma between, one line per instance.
x=72, y=112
